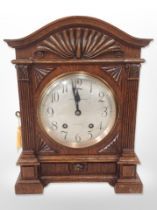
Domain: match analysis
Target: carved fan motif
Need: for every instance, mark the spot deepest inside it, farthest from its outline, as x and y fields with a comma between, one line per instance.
x=114, y=71
x=40, y=73
x=109, y=145
x=79, y=42
x=43, y=147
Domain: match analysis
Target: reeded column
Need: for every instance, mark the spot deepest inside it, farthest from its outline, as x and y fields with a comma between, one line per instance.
x=129, y=109
x=26, y=106
x=28, y=181
x=128, y=180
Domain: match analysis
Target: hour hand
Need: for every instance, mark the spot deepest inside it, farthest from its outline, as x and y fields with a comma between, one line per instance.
x=76, y=98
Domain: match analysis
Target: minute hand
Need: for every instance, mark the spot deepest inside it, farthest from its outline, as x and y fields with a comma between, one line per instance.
x=77, y=96
x=77, y=99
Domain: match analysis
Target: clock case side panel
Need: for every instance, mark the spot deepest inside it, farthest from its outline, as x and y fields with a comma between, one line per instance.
x=130, y=95
x=26, y=106
x=28, y=180
x=128, y=179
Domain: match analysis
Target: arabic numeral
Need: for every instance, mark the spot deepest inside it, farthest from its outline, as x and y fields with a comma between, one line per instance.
x=78, y=83
x=50, y=111
x=105, y=111
x=78, y=138
x=54, y=125
x=100, y=125
x=65, y=133
x=90, y=134
x=55, y=97
x=91, y=87
x=101, y=97
x=64, y=88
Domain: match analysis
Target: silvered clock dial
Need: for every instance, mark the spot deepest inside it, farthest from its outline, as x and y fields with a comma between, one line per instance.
x=77, y=110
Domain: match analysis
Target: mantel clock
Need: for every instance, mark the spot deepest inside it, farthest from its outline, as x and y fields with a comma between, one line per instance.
x=78, y=83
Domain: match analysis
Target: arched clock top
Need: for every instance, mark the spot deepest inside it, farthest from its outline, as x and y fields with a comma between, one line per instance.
x=79, y=43
x=78, y=21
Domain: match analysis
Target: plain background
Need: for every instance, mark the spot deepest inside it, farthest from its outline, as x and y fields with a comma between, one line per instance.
x=19, y=18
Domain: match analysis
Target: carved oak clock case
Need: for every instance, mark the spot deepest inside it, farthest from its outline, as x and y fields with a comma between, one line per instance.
x=78, y=84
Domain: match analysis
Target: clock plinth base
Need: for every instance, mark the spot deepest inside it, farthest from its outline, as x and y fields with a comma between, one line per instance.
x=28, y=181
x=128, y=181
x=28, y=186
x=129, y=185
